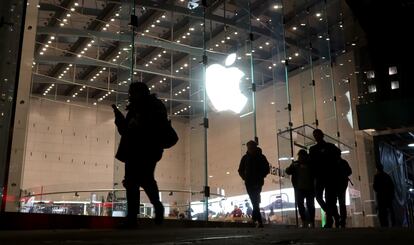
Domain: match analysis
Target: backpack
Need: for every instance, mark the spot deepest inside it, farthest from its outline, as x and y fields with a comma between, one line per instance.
x=168, y=137
x=344, y=168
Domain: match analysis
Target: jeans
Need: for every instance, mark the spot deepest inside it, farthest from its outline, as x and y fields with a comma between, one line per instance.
x=254, y=194
x=309, y=195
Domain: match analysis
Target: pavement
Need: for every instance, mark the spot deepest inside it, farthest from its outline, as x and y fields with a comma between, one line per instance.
x=216, y=236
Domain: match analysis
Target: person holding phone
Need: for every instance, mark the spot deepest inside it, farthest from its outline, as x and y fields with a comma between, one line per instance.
x=140, y=148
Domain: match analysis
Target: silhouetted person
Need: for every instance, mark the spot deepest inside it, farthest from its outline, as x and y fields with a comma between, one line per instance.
x=384, y=189
x=249, y=210
x=324, y=157
x=237, y=212
x=341, y=185
x=140, y=149
x=303, y=184
x=253, y=168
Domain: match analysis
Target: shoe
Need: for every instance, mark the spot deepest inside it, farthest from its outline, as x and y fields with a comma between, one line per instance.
x=311, y=225
x=259, y=225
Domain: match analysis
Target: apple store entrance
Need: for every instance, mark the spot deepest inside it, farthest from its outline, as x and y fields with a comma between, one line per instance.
x=227, y=72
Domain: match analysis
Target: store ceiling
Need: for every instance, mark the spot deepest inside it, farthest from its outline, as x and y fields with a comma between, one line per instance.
x=82, y=46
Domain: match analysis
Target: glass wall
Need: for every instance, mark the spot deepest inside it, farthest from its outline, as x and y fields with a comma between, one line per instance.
x=228, y=72
x=12, y=13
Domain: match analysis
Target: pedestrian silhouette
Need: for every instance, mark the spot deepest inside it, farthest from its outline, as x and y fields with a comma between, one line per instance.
x=303, y=184
x=324, y=158
x=384, y=189
x=344, y=171
x=253, y=168
x=141, y=147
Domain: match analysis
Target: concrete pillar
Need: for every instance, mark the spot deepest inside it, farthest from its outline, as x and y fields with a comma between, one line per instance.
x=17, y=155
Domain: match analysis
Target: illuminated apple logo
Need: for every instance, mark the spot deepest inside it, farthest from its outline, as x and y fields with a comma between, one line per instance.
x=223, y=86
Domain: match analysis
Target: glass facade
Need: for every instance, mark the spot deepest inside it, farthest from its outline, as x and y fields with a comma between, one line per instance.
x=227, y=72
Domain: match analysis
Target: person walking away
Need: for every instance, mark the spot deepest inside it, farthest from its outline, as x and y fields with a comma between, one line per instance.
x=140, y=148
x=384, y=189
x=303, y=184
x=324, y=157
x=342, y=184
x=253, y=168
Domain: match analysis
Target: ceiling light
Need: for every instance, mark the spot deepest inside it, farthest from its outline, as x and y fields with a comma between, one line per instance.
x=411, y=145
x=296, y=54
x=112, y=20
x=318, y=14
x=163, y=16
x=294, y=28
x=61, y=24
x=52, y=37
x=152, y=25
x=72, y=9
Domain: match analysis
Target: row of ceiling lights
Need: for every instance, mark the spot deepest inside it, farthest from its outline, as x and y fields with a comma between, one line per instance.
x=65, y=71
x=48, y=89
x=182, y=91
x=46, y=46
x=182, y=110
x=87, y=46
x=78, y=92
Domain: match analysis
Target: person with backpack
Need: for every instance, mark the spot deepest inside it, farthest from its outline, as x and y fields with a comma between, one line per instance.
x=303, y=184
x=145, y=131
x=253, y=168
x=324, y=157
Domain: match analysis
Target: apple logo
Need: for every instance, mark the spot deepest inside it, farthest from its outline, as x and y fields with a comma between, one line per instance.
x=223, y=86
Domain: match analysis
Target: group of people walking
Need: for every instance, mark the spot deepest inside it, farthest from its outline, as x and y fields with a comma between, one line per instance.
x=146, y=131
x=321, y=171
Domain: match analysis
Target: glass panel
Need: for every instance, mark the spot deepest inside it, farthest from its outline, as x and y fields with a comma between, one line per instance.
x=11, y=33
